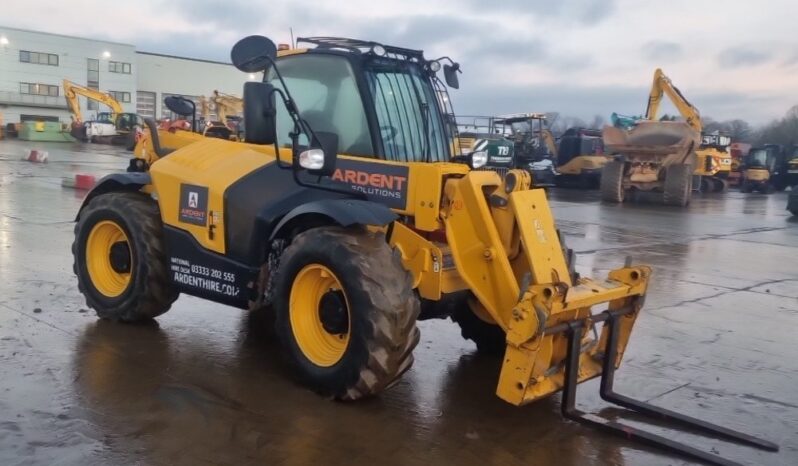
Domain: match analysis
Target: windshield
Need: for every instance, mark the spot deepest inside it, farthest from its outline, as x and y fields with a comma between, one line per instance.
x=326, y=95
x=409, y=117
x=104, y=117
x=758, y=158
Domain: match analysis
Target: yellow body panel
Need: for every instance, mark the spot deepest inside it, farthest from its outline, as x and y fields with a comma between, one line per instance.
x=212, y=163
x=576, y=165
x=426, y=261
x=757, y=174
x=721, y=162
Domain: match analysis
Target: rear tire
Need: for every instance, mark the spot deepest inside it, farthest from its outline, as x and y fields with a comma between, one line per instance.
x=612, y=182
x=488, y=336
x=129, y=280
x=379, y=305
x=678, y=184
x=745, y=186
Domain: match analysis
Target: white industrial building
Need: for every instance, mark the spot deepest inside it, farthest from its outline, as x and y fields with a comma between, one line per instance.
x=34, y=64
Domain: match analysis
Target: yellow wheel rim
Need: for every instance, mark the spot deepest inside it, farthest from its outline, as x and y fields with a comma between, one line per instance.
x=322, y=345
x=109, y=281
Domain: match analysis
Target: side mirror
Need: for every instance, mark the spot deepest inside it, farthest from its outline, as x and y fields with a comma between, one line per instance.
x=180, y=105
x=319, y=159
x=183, y=107
x=260, y=113
x=450, y=73
x=253, y=53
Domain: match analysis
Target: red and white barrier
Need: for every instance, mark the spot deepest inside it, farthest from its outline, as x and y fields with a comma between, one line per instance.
x=80, y=182
x=37, y=156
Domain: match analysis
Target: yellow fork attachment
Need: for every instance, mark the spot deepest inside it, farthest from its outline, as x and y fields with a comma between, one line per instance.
x=506, y=248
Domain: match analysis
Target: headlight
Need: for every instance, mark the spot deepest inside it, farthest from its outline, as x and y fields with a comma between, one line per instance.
x=479, y=159
x=312, y=159
x=726, y=161
x=434, y=66
x=378, y=50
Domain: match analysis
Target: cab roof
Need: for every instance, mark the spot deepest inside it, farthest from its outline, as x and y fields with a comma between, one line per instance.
x=362, y=47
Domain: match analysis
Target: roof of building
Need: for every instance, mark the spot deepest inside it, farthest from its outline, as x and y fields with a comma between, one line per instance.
x=66, y=36
x=184, y=58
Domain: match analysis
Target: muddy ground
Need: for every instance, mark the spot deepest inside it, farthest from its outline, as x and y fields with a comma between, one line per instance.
x=205, y=384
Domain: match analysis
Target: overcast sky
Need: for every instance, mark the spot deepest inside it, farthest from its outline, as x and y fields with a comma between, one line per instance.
x=732, y=59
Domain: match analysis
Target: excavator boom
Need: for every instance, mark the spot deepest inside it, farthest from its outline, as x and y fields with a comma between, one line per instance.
x=72, y=91
x=226, y=104
x=663, y=85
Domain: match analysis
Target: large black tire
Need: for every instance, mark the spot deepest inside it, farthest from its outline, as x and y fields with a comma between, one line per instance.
x=612, y=182
x=488, y=336
x=720, y=185
x=148, y=292
x=745, y=186
x=678, y=184
x=381, y=305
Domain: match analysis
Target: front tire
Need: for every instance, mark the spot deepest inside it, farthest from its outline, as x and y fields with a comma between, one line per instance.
x=120, y=259
x=612, y=182
x=678, y=184
x=345, y=312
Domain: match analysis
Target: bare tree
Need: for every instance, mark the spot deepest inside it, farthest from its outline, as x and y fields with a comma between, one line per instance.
x=783, y=131
x=598, y=122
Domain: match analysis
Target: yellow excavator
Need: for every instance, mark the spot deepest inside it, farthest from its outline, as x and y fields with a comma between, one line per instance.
x=713, y=159
x=108, y=126
x=349, y=225
x=228, y=112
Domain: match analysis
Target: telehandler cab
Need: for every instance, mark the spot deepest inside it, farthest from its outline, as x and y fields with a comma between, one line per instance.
x=347, y=214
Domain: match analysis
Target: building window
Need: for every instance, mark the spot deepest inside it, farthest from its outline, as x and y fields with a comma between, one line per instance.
x=38, y=89
x=120, y=96
x=38, y=58
x=93, y=80
x=118, y=67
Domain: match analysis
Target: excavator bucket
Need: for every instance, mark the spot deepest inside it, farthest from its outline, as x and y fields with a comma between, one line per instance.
x=652, y=139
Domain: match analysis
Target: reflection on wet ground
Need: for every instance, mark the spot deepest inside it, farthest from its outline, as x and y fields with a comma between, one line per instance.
x=206, y=385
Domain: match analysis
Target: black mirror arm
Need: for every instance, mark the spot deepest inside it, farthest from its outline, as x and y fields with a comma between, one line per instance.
x=455, y=65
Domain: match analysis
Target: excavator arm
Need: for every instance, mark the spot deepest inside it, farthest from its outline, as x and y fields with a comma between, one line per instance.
x=72, y=91
x=663, y=85
x=226, y=104
x=548, y=139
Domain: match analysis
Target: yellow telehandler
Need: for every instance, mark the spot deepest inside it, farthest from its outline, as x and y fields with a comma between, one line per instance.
x=348, y=216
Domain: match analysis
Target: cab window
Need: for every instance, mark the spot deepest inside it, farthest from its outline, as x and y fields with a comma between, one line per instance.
x=327, y=96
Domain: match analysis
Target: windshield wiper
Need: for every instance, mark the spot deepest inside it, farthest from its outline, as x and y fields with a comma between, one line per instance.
x=425, y=121
x=424, y=107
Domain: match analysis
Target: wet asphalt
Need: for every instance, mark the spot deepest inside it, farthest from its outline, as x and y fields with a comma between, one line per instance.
x=205, y=383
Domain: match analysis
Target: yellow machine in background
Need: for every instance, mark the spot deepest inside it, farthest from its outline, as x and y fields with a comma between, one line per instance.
x=227, y=105
x=107, y=127
x=713, y=160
